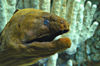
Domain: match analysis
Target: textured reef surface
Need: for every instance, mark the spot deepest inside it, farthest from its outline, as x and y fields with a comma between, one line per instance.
x=28, y=37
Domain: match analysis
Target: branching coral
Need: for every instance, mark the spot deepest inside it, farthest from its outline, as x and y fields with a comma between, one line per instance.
x=81, y=23
x=7, y=8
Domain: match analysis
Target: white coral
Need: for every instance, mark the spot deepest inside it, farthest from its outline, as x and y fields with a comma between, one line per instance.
x=7, y=8
x=81, y=24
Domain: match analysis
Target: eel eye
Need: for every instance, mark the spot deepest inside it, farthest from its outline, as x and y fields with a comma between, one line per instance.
x=46, y=22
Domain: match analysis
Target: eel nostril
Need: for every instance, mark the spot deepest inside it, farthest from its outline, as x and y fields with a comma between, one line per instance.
x=62, y=22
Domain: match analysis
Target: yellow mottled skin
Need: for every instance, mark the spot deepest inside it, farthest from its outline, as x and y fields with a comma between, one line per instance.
x=26, y=38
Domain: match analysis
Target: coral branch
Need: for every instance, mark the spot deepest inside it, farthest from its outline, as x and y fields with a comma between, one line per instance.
x=45, y=5
x=35, y=4
x=7, y=9
x=56, y=7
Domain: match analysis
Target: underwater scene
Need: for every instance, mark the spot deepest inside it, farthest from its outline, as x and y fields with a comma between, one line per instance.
x=49, y=32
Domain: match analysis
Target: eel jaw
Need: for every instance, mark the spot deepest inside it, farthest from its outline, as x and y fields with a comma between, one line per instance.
x=47, y=38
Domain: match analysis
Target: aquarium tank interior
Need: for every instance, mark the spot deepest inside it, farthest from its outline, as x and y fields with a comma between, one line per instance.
x=49, y=32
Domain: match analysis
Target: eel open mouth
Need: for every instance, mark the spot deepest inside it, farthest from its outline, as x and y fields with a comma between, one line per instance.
x=47, y=38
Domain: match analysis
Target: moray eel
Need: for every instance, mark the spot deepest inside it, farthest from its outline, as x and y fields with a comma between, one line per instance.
x=28, y=37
